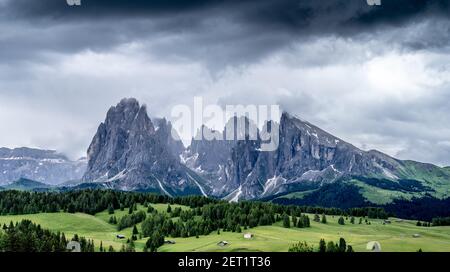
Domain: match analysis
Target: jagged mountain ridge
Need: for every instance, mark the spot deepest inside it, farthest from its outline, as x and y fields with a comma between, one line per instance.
x=45, y=166
x=306, y=154
x=132, y=152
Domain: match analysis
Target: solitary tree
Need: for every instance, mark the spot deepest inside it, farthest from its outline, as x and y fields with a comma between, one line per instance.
x=286, y=221
x=322, y=246
x=341, y=221
x=306, y=222
x=324, y=219
x=110, y=209
x=135, y=230
x=342, y=245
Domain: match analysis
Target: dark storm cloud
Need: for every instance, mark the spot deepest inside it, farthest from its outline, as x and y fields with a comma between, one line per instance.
x=324, y=60
x=241, y=30
x=309, y=16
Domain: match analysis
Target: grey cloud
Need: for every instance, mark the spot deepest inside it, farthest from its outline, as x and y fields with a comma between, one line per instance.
x=188, y=48
x=428, y=151
x=214, y=31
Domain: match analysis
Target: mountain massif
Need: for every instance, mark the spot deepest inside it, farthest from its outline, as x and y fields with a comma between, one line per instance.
x=132, y=152
x=40, y=165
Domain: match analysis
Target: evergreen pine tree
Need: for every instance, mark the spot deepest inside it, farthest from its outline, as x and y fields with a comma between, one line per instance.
x=342, y=245
x=306, y=223
x=316, y=218
x=350, y=249
x=322, y=246
x=286, y=221
x=110, y=209
x=331, y=247
x=150, y=209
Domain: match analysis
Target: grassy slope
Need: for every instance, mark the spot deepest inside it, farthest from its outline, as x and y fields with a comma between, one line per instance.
x=393, y=237
x=381, y=196
x=429, y=175
x=84, y=225
x=92, y=227
x=435, y=177
x=297, y=195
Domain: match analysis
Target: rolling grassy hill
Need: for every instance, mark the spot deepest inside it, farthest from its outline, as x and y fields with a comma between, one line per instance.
x=397, y=236
x=94, y=227
x=414, y=182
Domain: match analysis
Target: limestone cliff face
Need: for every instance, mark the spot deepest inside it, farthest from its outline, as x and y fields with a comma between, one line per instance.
x=132, y=152
x=306, y=156
x=128, y=152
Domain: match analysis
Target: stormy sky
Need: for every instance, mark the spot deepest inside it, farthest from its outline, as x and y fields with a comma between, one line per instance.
x=375, y=76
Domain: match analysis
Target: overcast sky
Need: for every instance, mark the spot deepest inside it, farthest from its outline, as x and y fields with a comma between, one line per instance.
x=377, y=77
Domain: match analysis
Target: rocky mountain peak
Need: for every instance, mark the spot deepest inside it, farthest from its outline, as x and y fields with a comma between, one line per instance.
x=128, y=152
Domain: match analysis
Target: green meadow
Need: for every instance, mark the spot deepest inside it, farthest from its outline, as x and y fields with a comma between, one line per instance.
x=397, y=236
